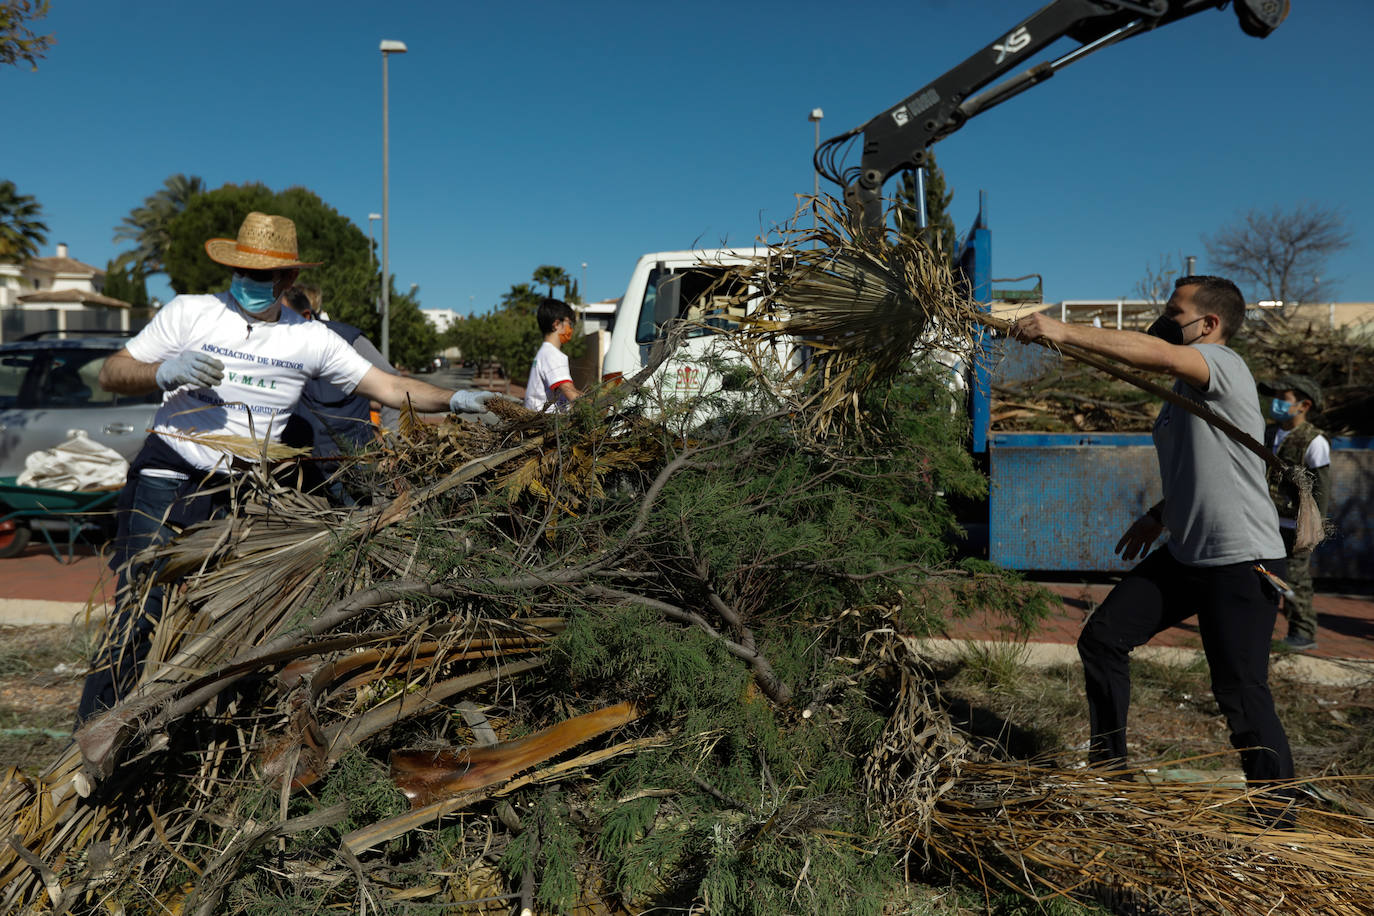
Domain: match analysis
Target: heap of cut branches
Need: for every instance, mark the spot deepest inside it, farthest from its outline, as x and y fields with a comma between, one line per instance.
x=583, y=664
x=1341, y=360
x=1064, y=398
x=1071, y=399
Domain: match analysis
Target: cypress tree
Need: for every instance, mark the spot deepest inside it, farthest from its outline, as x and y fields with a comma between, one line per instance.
x=939, y=232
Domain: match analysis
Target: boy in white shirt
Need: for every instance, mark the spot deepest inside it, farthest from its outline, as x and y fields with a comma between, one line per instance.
x=550, y=380
x=1295, y=440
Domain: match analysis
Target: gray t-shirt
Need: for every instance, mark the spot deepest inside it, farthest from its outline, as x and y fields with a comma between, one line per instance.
x=1216, y=497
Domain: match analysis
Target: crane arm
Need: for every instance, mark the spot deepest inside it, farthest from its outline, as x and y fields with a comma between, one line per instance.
x=897, y=139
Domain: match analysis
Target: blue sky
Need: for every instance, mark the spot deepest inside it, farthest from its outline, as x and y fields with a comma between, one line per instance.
x=559, y=133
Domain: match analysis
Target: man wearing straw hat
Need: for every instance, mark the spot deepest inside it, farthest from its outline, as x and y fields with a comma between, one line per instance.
x=1221, y=523
x=233, y=366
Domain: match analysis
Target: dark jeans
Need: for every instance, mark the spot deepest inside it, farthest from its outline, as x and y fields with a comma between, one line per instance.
x=114, y=670
x=1236, y=618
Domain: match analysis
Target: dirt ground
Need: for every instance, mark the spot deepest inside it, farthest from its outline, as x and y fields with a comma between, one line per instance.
x=41, y=670
x=1174, y=717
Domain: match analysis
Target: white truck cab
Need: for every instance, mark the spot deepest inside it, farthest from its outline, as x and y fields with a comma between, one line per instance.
x=670, y=284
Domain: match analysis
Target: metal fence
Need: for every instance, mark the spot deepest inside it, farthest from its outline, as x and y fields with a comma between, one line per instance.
x=16, y=323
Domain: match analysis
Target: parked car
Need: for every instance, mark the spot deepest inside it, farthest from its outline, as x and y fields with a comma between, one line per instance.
x=49, y=387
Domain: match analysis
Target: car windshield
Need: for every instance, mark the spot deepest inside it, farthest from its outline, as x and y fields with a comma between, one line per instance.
x=712, y=303
x=15, y=374
x=56, y=378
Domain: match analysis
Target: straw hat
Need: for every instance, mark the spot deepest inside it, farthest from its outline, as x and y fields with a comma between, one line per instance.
x=264, y=243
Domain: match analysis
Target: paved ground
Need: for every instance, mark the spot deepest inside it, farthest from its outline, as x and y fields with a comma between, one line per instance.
x=1345, y=623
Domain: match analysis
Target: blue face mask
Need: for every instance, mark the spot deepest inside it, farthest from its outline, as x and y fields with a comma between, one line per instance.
x=256, y=296
x=1280, y=409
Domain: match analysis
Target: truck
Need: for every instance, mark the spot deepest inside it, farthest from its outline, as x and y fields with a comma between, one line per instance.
x=1056, y=500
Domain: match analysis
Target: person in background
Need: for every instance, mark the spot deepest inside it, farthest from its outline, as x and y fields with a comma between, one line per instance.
x=550, y=380
x=1296, y=441
x=329, y=420
x=1223, y=534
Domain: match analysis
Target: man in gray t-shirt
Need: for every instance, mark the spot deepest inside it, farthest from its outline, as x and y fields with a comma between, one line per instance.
x=1217, y=507
x=1221, y=525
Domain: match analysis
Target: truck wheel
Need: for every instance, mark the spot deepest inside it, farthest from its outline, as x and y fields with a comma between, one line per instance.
x=14, y=537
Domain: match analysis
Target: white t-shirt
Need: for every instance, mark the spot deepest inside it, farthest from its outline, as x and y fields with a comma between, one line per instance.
x=550, y=370
x=266, y=364
x=1318, y=454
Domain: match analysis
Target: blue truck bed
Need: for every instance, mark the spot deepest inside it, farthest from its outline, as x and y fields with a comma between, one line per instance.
x=1060, y=502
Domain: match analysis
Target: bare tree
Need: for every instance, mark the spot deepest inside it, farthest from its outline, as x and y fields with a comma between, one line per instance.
x=1280, y=253
x=1157, y=285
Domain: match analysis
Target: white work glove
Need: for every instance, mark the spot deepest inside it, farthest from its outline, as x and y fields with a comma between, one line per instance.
x=190, y=368
x=465, y=400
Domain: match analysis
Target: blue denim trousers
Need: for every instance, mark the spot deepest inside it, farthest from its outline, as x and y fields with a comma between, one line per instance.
x=114, y=670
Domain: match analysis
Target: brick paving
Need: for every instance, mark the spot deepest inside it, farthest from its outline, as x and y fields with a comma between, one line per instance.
x=37, y=575
x=1345, y=623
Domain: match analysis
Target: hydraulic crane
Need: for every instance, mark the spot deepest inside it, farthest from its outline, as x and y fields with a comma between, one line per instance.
x=897, y=139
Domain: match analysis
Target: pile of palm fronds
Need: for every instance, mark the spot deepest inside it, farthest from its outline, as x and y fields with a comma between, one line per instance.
x=1071, y=400
x=1064, y=398
x=581, y=664
x=567, y=657
x=1149, y=846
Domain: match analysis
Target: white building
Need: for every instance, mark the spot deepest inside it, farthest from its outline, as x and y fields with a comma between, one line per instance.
x=598, y=316
x=442, y=319
x=69, y=291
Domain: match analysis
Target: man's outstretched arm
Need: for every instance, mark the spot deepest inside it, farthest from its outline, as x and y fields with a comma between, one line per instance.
x=1141, y=351
x=395, y=390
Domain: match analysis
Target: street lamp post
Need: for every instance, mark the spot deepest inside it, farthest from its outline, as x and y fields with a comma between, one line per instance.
x=815, y=118
x=388, y=48
x=372, y=256
x=582, y=290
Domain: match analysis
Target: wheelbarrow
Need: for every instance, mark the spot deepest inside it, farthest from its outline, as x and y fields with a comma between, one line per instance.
x=19, y=505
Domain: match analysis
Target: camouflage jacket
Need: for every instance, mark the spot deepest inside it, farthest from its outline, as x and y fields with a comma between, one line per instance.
x=1292, y=451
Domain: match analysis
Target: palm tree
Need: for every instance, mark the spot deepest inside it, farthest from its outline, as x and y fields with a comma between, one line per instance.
x=147, y=226
x=22, y=230
x=551, y=275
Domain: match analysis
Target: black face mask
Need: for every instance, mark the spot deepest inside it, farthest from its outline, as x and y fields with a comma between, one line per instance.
x=1170, y=331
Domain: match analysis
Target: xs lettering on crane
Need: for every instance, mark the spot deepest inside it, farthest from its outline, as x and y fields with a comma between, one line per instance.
x=1013, y=44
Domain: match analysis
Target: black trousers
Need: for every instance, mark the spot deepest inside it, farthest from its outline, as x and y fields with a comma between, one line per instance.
x=1236, y=614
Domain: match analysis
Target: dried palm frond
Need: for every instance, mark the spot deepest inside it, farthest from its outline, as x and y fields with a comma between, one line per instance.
x=246, y=448
x=1191, y=847
x=1138, y=838
x=510, y=410
x=863, y=302
x=575, y=474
